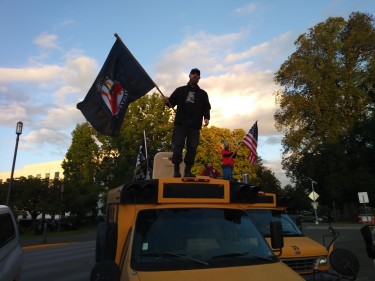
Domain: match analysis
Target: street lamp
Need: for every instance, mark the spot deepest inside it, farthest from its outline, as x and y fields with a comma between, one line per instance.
x=314, y=199
x=18, y=133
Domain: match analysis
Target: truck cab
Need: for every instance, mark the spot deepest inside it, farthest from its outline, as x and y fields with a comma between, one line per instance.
x=300, y=252
x=186, y=229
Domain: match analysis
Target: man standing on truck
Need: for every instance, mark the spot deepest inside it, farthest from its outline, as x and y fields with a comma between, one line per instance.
x=193, y=105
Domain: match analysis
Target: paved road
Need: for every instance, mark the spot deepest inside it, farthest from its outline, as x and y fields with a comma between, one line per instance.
x=350, y=239
x=72, y=261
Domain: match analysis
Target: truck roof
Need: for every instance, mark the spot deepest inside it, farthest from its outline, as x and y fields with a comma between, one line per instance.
x=200, y=189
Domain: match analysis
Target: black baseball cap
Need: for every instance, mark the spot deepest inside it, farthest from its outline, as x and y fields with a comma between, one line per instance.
x=195, y=71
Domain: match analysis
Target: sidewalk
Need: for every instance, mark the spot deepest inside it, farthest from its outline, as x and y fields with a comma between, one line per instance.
x=335, y=225
x=37, y=240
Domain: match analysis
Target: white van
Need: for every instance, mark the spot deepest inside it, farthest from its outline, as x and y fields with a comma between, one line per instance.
x=11, y=254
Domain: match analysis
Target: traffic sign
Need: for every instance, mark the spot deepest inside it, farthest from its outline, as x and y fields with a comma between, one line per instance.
x=314, y=205
x=363, y=197
x=313, y=196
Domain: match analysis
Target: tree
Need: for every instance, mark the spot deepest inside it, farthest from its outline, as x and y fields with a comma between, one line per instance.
x=209, y=150
x=34, y=196
x=81, y=191
x=147, y=114
x=299, y=200
x=328, y=89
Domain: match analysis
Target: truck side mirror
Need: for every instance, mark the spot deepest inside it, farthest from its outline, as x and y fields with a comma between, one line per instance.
x=277, y=239
x=368, y=233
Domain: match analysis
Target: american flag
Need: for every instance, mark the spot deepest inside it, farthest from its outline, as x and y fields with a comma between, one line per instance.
x=251, y=141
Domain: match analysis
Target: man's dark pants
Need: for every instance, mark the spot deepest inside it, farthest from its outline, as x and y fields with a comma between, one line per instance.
x=180, y=134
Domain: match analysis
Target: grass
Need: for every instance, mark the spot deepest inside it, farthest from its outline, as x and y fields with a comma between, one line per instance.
x=55, y=233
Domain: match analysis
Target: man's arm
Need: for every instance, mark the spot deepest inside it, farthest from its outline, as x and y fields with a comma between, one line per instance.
x=227, y=154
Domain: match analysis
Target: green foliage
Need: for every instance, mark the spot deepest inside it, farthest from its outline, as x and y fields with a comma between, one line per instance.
x=147, y=114
x=328, y=94
x=95, y=162
x=209, y=150
x=36, y=196
x=82, y=157
x=81, y=191
x=299, y=201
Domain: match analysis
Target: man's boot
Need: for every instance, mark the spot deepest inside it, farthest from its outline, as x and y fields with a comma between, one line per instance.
x=176, y=173
x=188, y=173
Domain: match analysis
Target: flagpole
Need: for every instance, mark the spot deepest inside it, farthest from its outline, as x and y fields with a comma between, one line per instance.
x=165, y=97
x=144, y=137
x=234, y=151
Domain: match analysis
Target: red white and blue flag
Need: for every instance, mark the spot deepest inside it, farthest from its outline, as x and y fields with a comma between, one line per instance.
x=121, y=81
x=251, y=142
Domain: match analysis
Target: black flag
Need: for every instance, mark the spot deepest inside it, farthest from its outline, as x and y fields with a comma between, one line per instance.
x=142, y=171
x=121, y=81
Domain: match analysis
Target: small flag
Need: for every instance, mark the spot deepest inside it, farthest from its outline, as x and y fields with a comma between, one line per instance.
x=142, y=171
x=121, y=81
x=251, y=141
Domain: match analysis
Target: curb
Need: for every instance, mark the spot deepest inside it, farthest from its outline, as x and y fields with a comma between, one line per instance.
x=41, y=246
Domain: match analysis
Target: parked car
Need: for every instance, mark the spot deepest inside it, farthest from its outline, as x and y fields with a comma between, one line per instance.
x=66, y=225
x=308, y=216
x=11, y=254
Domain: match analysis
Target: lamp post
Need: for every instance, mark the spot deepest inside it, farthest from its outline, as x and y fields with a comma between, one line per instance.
x=18, y=133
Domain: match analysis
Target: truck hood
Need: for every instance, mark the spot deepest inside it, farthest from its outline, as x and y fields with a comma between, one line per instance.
x=297, y=247
x=265, y=272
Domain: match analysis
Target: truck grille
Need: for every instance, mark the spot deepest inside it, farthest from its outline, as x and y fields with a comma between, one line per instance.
x=301, y=265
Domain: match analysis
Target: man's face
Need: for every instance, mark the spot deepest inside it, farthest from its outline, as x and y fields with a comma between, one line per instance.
x=209, y=165
x=194, y=78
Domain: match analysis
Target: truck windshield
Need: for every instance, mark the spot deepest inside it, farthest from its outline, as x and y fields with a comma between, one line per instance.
x=262, y=218
x=188, y=238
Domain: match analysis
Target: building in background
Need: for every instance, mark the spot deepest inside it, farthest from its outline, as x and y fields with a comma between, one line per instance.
x=50, y=170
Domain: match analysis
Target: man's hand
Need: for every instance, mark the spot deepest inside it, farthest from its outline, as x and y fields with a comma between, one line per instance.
x=206, y=121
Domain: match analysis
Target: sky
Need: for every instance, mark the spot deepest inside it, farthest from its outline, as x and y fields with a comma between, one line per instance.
x=52, y=51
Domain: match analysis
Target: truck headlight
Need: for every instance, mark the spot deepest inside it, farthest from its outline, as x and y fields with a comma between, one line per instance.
x=321, y=261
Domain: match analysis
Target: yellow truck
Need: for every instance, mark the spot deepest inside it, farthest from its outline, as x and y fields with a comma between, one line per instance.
x=300, y=252
x=185, y=229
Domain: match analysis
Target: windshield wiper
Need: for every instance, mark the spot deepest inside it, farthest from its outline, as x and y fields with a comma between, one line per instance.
x=176, y=255
x=238, y=254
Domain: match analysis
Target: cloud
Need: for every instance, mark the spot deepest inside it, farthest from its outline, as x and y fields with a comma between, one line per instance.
x=67, y=22
x=275, y=166
x=47, y=136
x=45, y=96
x=31, y=74
x=247, y=9
x=267, y=54
x=46, y=40
x=239, y=83
x=273, y=140
x=203, y=50
x=11, y=113
x=241, y=91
